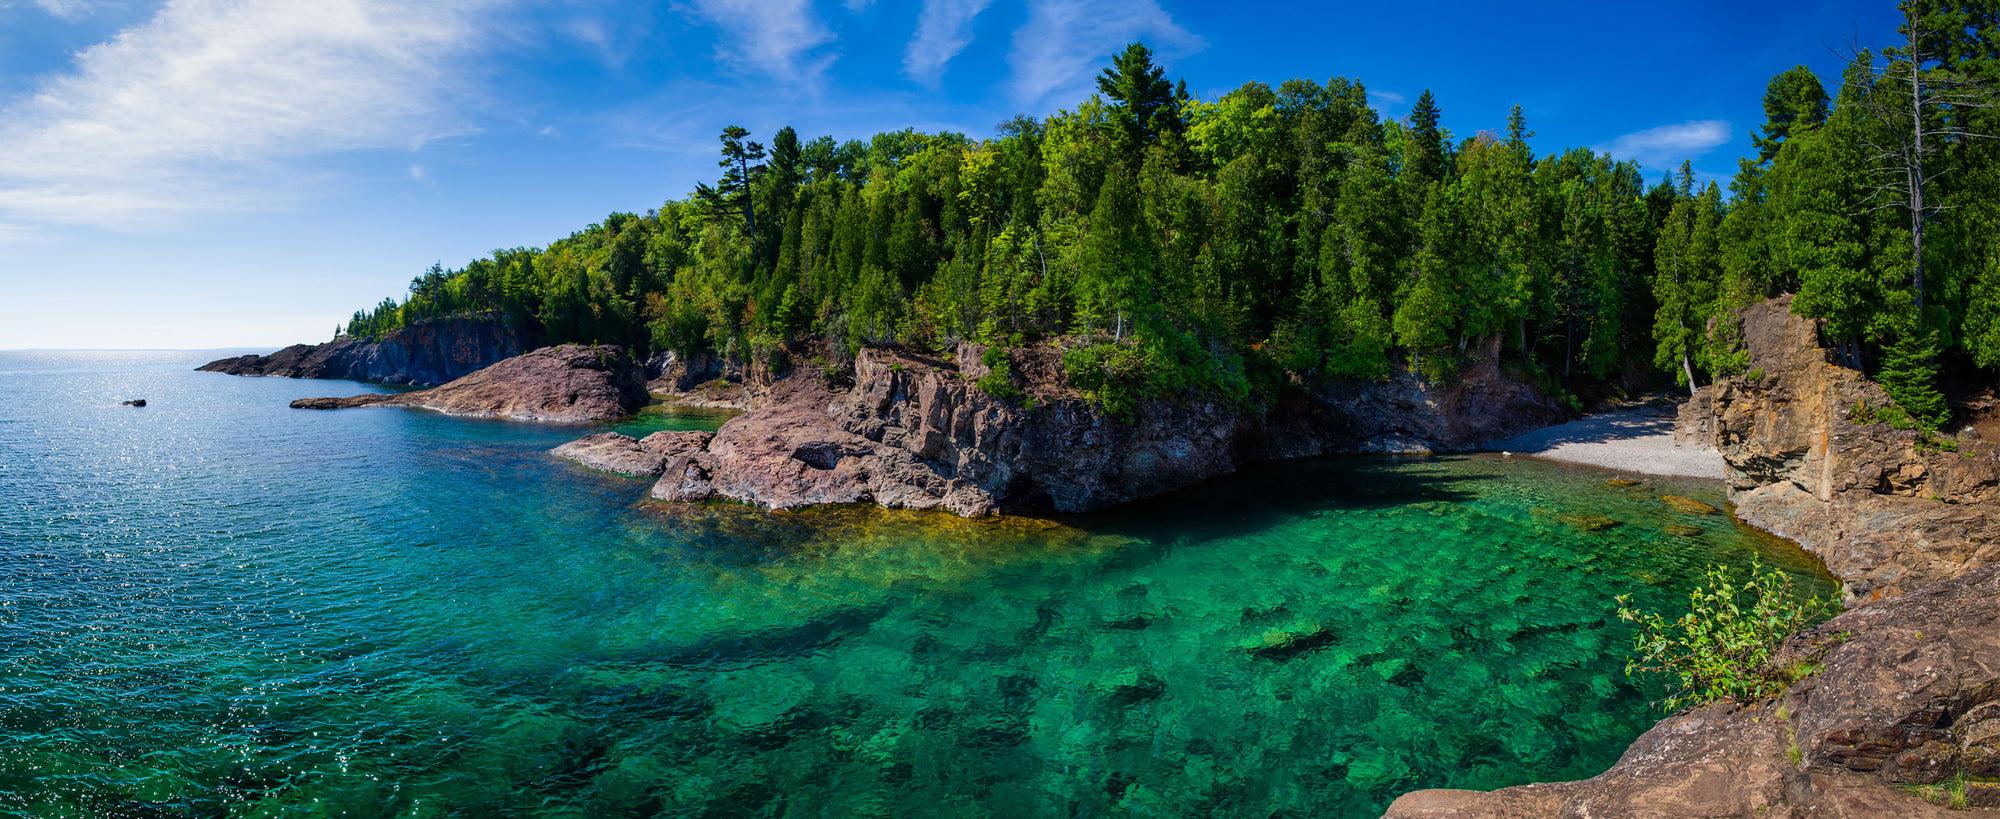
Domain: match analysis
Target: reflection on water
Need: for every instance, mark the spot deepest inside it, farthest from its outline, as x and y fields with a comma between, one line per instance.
x=218, y=606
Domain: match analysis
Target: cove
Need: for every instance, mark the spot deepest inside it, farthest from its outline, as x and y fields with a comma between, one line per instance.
x=216, y=606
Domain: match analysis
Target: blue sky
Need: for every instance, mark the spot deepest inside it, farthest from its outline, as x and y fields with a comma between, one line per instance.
x=211, y=173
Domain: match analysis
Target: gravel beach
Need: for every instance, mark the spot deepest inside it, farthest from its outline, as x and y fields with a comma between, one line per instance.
x=1638, y=439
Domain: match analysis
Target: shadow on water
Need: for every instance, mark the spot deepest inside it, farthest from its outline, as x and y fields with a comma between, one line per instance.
x=1264, y=495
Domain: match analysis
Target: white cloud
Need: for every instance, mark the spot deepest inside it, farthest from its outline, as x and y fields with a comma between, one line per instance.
x=773, y=37
x=944, y=28
x=1065, y=42
x=1384, y=100
x=202, y=105
x=1668, y=145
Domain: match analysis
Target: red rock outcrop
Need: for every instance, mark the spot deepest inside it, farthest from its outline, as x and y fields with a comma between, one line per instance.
x=625, y=455
x=918, y=433
x=570, y=382
x=1803, y=462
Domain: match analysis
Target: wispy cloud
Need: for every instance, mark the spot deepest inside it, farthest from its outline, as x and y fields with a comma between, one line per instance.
x=1669, y=144
x=1384, y=100
x=944, y=28
x=1064, y=42
x=772, y=37
x=203, y=105
x=71, y=10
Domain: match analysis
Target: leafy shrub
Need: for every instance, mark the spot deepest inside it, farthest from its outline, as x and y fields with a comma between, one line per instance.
x=999, y=379
x=1755, y=376
x=1724, y=647
x=1118, y=375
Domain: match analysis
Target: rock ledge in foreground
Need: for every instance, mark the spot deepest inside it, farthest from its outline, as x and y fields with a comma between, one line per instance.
x=1912, y=697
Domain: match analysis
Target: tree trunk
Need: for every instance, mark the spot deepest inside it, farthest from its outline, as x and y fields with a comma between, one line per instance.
x=1689, y=369
x=1916, y=172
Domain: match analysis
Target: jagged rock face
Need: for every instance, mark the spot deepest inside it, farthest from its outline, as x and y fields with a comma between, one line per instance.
x=430, y=352
x=1910, y=696
x=914, y=432
x=567, y=383
x=1885, y=517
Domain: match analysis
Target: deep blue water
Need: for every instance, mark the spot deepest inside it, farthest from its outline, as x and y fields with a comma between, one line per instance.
x=219, y=606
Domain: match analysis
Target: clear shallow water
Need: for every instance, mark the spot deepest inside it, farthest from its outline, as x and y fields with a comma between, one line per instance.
x=218, y=606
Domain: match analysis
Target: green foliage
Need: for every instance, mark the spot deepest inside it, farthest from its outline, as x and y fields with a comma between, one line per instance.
x=1277, y=235
x=999, y=378
x=1724, y=646
x=1755, y=376
x=1909, y=375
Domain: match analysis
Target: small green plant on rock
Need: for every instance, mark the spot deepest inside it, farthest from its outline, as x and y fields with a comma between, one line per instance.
x=1949, y=793
x=1725, y=647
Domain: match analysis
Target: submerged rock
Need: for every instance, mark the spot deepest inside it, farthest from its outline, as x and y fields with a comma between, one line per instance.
x=1687, y=505
x=565, y=383
x=1588, y=523
x=1683, y=530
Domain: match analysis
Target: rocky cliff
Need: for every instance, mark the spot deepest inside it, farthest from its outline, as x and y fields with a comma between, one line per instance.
x=428, y=353
x=566, y=383
x=910, y=431
x=1808, y=459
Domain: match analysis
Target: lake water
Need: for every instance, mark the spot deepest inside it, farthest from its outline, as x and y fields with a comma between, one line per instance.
x=219, y=606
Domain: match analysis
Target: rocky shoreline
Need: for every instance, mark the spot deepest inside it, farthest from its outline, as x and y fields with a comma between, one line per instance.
x=909, y=431
x=567, y=383
x=1909, y=688
x=427, y=353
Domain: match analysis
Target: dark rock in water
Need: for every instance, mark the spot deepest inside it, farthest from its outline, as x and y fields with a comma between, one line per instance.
x=911, y=431
x=1683, y=530
x=136, y=402
x=1899, y=701
x=429, y=352
x=1284, y=644
x=623, y=454
x=1621, y=483
x=566, y=383
x=1128, y=688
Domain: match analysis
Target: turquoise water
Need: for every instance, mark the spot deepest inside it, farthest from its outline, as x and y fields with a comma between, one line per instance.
x=218, y=606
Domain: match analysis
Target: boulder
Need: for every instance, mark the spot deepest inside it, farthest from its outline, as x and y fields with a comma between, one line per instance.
x=566, y=383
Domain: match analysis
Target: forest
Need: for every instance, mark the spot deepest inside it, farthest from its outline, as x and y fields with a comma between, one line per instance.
x=1169, y=245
